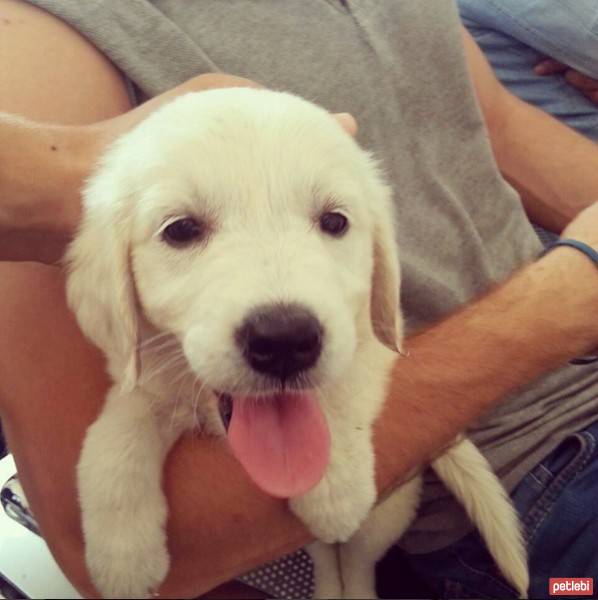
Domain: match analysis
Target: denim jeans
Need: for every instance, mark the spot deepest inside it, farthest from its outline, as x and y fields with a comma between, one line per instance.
x=516, y=34
x=558, y=505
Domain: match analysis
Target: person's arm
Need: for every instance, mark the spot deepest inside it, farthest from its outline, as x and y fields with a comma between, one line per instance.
x=553, y=168
x=43, y=166
x=39, y=174
x=220, y=525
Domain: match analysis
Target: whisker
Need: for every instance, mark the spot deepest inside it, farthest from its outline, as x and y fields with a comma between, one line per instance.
x=174, y=411
x=180, y=378
x=163, y=348
x=198, y=423
x=154, y=339
x=171, y=362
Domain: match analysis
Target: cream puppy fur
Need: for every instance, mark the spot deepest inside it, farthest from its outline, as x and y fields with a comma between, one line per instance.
x=230, y=229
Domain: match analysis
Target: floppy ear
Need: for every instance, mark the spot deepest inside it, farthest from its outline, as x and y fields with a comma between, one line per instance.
x=387, y=320
x=100, y=288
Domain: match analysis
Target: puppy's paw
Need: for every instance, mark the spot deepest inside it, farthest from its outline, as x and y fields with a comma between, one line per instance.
x=334, y=513
x=127, y=564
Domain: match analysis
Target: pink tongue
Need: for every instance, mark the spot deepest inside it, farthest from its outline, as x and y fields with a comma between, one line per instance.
x=282, y=442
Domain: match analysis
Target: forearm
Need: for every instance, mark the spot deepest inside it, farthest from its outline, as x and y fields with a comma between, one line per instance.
x=462, y=367
x=43, y=166
x=39, y=174
x=554, y=169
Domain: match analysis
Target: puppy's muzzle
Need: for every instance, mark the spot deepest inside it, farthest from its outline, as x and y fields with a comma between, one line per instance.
x=280, y=340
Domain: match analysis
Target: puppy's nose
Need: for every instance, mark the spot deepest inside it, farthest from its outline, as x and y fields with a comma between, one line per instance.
x=280, y=340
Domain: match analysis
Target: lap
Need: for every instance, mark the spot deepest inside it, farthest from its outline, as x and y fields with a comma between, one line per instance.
x=560, y=513
x=557, y=504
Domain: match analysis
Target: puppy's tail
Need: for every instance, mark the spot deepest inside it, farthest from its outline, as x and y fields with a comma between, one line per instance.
x=467, y=474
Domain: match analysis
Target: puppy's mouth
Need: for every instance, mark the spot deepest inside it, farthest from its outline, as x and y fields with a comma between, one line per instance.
x=281, y=439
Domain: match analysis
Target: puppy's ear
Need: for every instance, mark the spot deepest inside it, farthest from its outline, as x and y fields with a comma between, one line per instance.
x=100, y=287
x=387, y=320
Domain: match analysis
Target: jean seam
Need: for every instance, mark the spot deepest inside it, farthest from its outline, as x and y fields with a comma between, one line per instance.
x=539, y=481
x=532, y=476
x=541, y=508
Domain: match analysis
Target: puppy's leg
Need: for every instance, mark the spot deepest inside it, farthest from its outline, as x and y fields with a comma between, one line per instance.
x=327, y=577
x=123, y=507
x=335, y=508
x=383, y=527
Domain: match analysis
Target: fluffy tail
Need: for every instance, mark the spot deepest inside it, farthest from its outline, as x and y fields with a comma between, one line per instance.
x=467, y=474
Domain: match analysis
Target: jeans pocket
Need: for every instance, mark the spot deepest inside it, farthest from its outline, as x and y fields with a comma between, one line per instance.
x=540, y=490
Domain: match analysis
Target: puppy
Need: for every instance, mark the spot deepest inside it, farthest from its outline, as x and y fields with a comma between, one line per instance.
x=237, y=264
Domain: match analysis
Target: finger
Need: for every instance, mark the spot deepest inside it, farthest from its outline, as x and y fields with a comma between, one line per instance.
x=592, y=96
x=348, y=123
x=580, y=81
x=549, y=66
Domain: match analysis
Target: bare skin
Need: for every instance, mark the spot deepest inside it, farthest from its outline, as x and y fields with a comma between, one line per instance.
x=48, y=200
x=234, y=527
x=30, y=40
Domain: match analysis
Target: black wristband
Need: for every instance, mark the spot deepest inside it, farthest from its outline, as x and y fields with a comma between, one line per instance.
x=587, y=250
x=593, y=256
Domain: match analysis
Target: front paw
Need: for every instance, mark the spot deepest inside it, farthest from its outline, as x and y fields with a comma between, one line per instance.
x=127, y=564
x=334, y=513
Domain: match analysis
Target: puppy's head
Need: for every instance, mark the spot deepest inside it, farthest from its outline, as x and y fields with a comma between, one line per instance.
x=249, y=225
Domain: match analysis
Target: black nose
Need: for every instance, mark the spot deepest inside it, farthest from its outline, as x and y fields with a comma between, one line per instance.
x=280, y=340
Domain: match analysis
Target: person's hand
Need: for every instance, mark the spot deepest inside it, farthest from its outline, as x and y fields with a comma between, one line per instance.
x=585, y=84
x=43, y=165
x=101, y=134
x=92, y=140
x=88, y=142
x=43, y=193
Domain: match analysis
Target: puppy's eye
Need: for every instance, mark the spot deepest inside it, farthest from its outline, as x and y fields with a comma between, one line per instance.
x=334, y=223
x=182, y=232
